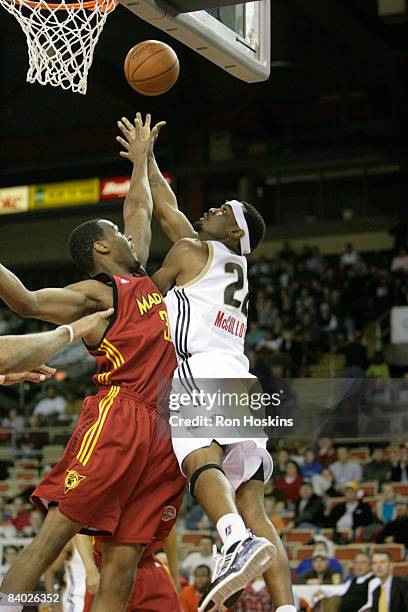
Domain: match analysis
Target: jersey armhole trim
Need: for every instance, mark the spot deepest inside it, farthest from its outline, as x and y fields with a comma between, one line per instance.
x=112, y=319
x=203, y=272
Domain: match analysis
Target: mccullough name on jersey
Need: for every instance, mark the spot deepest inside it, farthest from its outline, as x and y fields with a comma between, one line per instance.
x=230, y=324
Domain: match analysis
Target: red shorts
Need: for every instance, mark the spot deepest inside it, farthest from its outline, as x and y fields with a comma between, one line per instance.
x=118, y=475
x=153, y=591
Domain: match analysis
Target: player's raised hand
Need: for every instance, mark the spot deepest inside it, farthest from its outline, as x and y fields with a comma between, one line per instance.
x=140, y=131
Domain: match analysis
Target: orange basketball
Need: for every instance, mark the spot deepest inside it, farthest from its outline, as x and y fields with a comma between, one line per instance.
x=151, y=68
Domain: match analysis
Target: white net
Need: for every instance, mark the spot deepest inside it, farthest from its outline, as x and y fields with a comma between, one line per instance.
x=61, y=39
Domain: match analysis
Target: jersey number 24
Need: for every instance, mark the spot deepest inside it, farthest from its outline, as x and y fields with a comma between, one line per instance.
x=231, y=267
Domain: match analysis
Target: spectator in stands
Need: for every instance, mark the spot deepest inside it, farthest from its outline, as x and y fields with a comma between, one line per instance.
x=379, y=468
x=311, y=465
x=323, y=484
x=399, y=471
x=34, y=526
x=399, y=263
x=290, y=482
x=73, y=406
x=379, y=368
x=322, y=547
x=356, y=357
x=352, y=513
x=386, y=506
x=20, y=516
x=345, y=469
x=7, y=529
x=254, y=335
x=10, y=555
x=325, y=451
x=191, y=594
x=391, y=594
x=279, y=463
x=277, y=520
x=396, y=531
x=255, y=597
x=349, y=258
x=203, y=556
x=400, y=232
x=33, y=441
x=272, y=492
x=13, y=420
x=356, y=594
x=320, y=572
x=309, y=512
x=52, y=404
x=197, y=519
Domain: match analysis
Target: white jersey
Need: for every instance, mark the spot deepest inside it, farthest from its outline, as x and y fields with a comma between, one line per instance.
x=74, y=592
x=209, y=313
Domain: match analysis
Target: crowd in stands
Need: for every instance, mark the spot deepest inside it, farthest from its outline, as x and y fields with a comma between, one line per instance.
x=305, y=305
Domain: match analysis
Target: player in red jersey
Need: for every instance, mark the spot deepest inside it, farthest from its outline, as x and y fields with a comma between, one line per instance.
x=117, y=476
x=154, y=589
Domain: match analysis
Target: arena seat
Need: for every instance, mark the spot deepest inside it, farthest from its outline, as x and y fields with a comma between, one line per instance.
x=347, y=534
x=302, y=552
x=193, y=537
x=361, y=454
x=5, y=487
x=348, y=552
x=401, y=569
x=370, y=488
x=396, y=551
x=301, y=536
x=401, y=487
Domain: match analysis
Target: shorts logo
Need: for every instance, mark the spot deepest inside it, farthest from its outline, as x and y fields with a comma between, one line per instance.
x=72, y=480
x=169, y=513
x=228, y=530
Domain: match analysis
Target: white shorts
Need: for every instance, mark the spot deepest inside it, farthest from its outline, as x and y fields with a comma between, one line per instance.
x=72, y=603
x=243, y=456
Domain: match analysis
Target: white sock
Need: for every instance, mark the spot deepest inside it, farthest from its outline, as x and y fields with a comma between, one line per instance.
x=232, y=529
x=4, y=602
x=288, y=608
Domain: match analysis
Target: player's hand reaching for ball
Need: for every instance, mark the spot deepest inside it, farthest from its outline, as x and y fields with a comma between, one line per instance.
x=139, y=138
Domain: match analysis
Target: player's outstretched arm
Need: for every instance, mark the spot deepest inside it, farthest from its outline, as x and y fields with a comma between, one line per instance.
x=54, y=305
x=138, y=206
x=24, y=353
x=173, y=221
x=165, y=207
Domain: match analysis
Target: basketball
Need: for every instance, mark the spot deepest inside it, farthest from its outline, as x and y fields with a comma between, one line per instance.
x=151, y=68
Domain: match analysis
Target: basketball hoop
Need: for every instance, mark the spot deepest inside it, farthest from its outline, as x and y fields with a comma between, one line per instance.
x=61, y=38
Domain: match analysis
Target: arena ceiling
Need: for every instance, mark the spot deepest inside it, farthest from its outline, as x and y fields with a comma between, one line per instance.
x=336, y=50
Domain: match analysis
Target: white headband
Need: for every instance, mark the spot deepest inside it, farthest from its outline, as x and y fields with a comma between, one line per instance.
x=238, y=210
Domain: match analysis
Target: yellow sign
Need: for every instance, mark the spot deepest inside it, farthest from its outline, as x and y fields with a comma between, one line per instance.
x=69, y=193
x=13, y=199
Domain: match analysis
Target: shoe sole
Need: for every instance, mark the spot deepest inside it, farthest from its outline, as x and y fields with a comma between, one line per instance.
x=238, y=580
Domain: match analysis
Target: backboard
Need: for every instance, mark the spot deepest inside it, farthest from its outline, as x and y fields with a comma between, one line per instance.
x=237, y=38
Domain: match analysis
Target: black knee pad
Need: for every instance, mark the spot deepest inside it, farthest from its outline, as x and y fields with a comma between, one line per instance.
x=195, y=475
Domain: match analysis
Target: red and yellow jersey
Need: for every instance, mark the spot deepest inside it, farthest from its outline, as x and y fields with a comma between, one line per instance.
x=136, y=351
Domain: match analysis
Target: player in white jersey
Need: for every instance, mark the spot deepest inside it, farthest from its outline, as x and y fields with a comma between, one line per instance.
x=73, y=594
x=205, y=278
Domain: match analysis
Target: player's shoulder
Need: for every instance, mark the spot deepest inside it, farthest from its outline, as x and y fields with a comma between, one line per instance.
x=190, y=245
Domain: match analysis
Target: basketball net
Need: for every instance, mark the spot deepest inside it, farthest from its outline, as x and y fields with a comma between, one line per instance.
x=61, y=38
